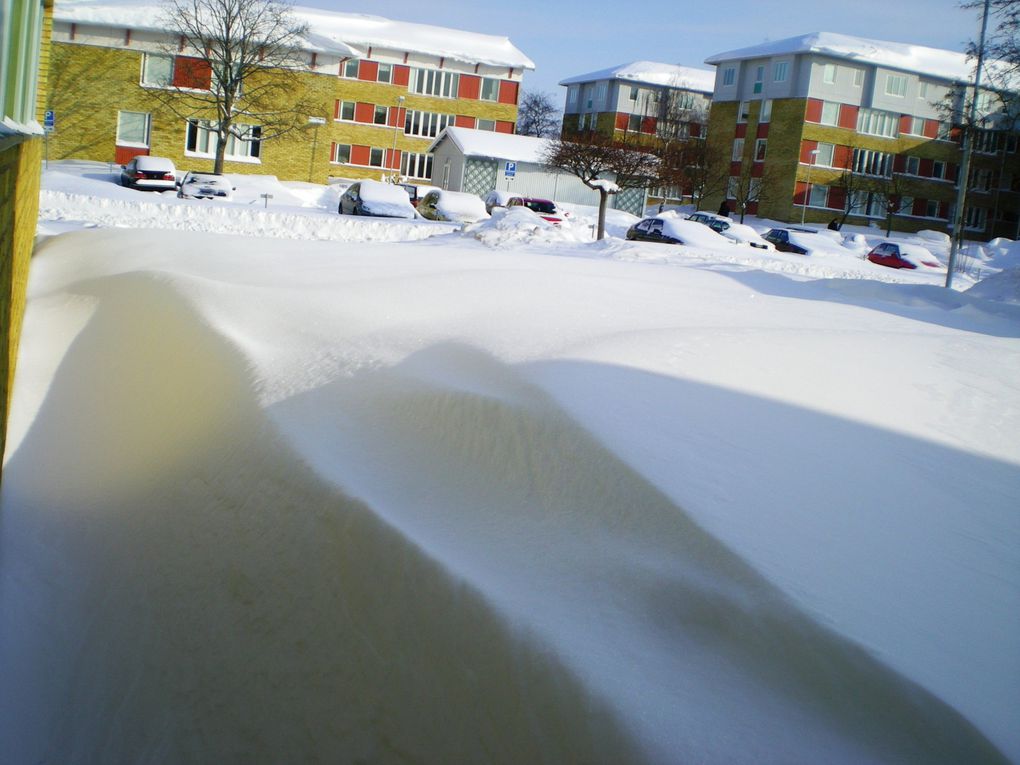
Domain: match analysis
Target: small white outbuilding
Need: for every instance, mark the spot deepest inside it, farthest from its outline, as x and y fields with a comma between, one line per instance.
x=478, y=161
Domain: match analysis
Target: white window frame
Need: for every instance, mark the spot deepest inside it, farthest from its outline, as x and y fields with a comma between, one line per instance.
x=829, y=74
x=759, y=79
x=858, y=79
x=385, y=115
x=376, y=151
x=152, y=58
x=147, y=122
x=251, y=150
x=416, y=165
x=913, y=165
x=738, y=150
x=346, y=66
x=338, y=149
x=896, y=85
x=492, y=85
x=729, y=77
x=438, y=83
x=826, y=154
x=601, y=92
x=388, y=68
x=760, y=149
x=818, y=190
x=743, y=111
x=572, y=95
x=832, y=119
x=878, y=122
x=340, y=111
x=426, y=124
x=484, y=124
x=765, y=114
x=781, y=71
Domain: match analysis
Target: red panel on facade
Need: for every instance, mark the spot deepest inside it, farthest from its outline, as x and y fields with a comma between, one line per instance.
x=332, y=151
x=806, y=147
x=837, y=198
x=813, y=112
x=462, y=121
x=393, y=159
x=470, y=86
x=919, y=207
x=360, y=155
x=763, y=130
x=508, y=92
x=696, y=130
x=622, y=120
x=931, y=128
x=952, y=172
x=944, y=210
x=842, y=156
x=848, y=116
x=741, y=130
x=368, y=70
x=648, y=124
x=752, y=208
x=125, y=154
x=401, y=74
x=502, y=126
x=396, y=116
x=906, y=122
x=925, y=168
x=336, y=109
x=364, y=112
x=192, y=73
x=735, y=168
x=899, y=164
x=757, y=169
x=799, y=193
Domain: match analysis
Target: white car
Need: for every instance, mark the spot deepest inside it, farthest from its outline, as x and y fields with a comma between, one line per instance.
x=145, y=173
x=206, y=186
x=738, y=232
x=455, y=206
x=384, y=200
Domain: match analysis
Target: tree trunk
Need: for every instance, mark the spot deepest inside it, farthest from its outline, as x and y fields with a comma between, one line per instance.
x=603, y=203
x=221, y=150
x=888, y=224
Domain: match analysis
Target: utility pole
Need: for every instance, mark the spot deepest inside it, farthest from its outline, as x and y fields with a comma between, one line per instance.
x=968, y=146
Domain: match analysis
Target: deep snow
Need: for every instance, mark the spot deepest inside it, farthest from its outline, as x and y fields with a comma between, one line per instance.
x=465, y=499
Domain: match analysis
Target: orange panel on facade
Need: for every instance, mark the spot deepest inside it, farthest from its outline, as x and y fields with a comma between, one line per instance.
x=401, y=74
x=192, y=73
x=813, y=112
x=368, y=70
x=360, y=155
x=848, y=116
x=470, y=86
x=462, y=121
x=502, y=126
x=806, y=147
x=622, y=121
x=507, y=92
x=741, y=130
x=124, y=154
x=364, y=112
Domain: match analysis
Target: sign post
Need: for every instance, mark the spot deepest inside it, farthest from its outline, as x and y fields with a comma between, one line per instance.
x=49, y=124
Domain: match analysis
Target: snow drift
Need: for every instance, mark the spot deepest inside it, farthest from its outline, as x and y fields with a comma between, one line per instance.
x=246, y=518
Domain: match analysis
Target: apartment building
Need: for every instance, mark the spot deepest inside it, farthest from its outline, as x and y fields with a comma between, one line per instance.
x=639, y=99
x=24, y=50
x=827, y=122
x=380, y=91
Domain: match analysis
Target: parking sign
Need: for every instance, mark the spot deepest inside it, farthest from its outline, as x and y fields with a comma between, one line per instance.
x=510, y=170
x=49, y=121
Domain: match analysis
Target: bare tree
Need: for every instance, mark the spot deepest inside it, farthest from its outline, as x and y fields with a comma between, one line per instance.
x=537, y=115
x=693, y=165
x=751, y=186
x=593, y=157
x=237, y=66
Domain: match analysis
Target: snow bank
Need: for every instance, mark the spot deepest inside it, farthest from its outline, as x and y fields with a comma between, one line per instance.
x=510, y=226
x=1003, y=287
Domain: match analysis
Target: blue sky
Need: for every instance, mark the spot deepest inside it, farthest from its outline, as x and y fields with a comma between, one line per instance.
x=568, y=37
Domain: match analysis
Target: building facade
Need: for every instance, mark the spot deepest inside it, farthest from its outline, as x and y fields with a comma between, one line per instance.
x=825, y=124
x=379, y=92
x=24, y=50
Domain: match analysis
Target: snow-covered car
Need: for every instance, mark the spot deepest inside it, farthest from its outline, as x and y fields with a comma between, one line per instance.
x=857, y=243
x=415, y=191
x=677, y=231
x=146, y=173
x=726, y=227
x=902, y=255
x=708, y=218
x=497, y=198
x=544, y=208
x=385, y=200
x=206, y=186
x=455, y=206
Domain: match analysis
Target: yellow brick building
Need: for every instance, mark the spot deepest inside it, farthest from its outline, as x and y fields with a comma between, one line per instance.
x=378, y=92
x=24, y=51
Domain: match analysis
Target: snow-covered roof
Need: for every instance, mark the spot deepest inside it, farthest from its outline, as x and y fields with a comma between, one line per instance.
x=652, y=73
x=342, y=33
x=945, y=64
x=486, y=143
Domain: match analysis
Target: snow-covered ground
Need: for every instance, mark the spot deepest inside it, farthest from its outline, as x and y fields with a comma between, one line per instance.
x=501, y=495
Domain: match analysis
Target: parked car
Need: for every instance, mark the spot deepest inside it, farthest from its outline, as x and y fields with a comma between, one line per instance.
x=901, y=255
x=415, y=191
x=385, y=200
x=707, y=218
x=455, y=206
x=496, y=198
x=206, y=186
x=677, y=231
x=146, y=173
x=786, y=240
x=544, y=208
x=738, y=232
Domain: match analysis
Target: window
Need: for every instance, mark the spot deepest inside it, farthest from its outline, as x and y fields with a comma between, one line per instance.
x=434, y=82
x=931, y=208
x=601, y=89
x=743, y=111
x=588, y=90
x=819, y=196
x=738, y=149
x=938, y=169
x=975, y=218
x=635, y=91
x=491, y=124
x=759, y=149
x=346, y=111
x=981, y=179
x=342, y=153
x=729, y=76
x=157, y=71
x=986, y=141
x=415, y=165
x=379, y=117
x=868, y=162
x=826, y=154
x=133, y=128
x=350, y=69
x=634, y=123
x=766, y=111
x=732, y=188
x=572, y=95
x=780, y=71
x=830, y=113
x=945, y=132
x=376, y=157
x=243, y=144
x=922, y=89
x=426, y=124
x=896, y=85
x=913, y=165
x=490, y=89
x=916, y=126
x=858, y=78
x=759, y=78
x=829, y=74
x=385, y=73
x=876, y=122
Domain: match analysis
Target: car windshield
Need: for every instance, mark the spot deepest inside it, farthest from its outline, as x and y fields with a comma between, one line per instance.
x=540, y=206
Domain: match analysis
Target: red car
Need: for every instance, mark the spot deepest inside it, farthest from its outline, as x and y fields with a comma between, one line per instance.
x=544, y=208
x=899, y=255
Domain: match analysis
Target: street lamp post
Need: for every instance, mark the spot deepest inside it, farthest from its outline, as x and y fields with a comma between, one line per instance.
x=396, y=132
x=807, y=189
x=315, y=140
